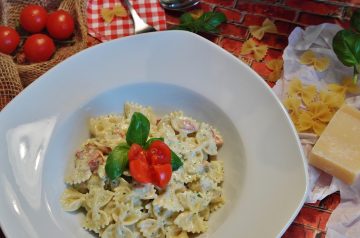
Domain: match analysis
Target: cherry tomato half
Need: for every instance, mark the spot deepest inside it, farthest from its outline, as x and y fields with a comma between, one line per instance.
x=33, y=18
x=9, y=39
x=158, y=153
x=134, y=150
x=39, y=47
x=161, y=174
x=140, y=170
x=60, y=24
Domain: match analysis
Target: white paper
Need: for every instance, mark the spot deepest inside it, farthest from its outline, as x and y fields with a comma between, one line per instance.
x=345, y=220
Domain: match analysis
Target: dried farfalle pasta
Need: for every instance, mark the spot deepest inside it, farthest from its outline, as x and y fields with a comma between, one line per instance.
x=346, y=87
x=196, y=13
x=108, y=14
x=251, y=47
x=320, y=64
x=259, y=31
x=315, y=118
x=306, y=93
x=332, y=99
x=276, y=66
x=292, y=104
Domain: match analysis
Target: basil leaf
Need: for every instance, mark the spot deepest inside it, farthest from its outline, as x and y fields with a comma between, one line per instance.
x=117, y=161
x=186, y=18
x=346, y=46
x=207, y=23
x=176, y=162
x=355, y=20
x=148, y=143
x=138, y=130
x=213, y=19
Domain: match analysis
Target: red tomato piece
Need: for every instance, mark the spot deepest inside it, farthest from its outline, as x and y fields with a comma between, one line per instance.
x=158, y=153
x=9, y=39
x=39, y=47
x=33, y=18
x=140, y=170
x=60, y=25
x=134, y=150
x=161, y=174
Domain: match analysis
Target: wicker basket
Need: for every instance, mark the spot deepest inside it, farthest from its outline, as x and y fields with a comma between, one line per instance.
x=13, y=76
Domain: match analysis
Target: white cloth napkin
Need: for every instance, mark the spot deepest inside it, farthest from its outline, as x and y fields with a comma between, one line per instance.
x=345, y=219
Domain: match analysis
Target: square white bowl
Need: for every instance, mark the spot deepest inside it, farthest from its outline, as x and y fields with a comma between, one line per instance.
x=265, y=169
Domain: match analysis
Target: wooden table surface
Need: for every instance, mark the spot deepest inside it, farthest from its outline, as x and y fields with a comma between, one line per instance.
x=287, y=14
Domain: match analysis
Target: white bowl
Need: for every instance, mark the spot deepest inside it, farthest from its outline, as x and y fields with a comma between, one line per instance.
x=265, y=169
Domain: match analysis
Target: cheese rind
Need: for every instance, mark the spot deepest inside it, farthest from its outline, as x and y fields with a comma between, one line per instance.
x=337, y=151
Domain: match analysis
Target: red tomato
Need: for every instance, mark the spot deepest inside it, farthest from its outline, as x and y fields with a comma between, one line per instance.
x=140, y=170
x=9, y=39
x=33, y=18
x=60, y=25
x=158, y=153
x=161, y=174
x=39, y=47
x=135, y=149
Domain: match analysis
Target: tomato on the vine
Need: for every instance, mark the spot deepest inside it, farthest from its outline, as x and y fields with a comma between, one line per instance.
x=158, y=153
x=9, y=39
x=161, y=174
x=60, y=25
x=39, y=47
x=33, y=18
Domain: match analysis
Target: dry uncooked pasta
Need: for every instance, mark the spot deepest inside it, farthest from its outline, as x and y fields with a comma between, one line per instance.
x=125, y=208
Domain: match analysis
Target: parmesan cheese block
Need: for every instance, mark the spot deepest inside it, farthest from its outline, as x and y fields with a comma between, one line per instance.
x=337, y=151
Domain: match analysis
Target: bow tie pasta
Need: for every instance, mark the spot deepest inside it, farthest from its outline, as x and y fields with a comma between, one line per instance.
x=123, y=207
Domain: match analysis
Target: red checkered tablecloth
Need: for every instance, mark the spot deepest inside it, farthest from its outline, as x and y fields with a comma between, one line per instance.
x=149, y=10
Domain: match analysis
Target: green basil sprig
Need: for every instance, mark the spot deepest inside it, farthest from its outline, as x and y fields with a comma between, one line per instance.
x=138, y=133
x=138, y=130
x=176, y=162
x=346, y=45
x=206, y=23
x=117, y=161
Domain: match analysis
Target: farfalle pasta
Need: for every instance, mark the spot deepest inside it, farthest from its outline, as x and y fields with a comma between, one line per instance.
x=251, y=47
x=259, y=31
x=123, y=207
x=311, y=110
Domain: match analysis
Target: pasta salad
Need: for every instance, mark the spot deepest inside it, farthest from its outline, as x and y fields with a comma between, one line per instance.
x=140, y=176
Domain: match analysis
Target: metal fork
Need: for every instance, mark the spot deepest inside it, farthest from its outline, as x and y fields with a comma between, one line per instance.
x=140, y=26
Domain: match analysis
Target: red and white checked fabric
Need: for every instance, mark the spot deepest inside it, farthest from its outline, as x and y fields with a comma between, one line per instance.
x=149, y=10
